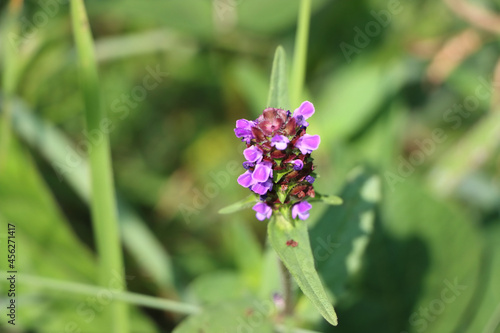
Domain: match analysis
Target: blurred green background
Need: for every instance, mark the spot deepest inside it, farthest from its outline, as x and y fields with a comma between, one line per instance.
x=403, y=90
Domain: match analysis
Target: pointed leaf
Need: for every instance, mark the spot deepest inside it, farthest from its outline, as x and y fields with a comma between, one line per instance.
x=327, y=199
x=239, y=205
x=300, y=262
x=278, y=90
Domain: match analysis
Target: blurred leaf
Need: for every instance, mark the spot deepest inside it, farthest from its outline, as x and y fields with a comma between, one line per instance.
x=69, y=165
x=353, y=94
x=237, y=206
x=472, y=150
x=253, y=83
x=191, y=16
x=300, y=262
x=327, y=199
x=273, y=16
x=217, y=287
x=442, y=229
x=340, y=237
x=47, y=247
x=247, y=252
x=270, y=281
x=230, y=317
x=278, y=89
x=484, y=314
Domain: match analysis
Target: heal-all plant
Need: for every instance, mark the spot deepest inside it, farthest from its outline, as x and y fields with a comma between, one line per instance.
x=280, y=174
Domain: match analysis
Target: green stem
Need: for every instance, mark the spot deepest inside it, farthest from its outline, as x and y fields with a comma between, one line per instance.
x=132, y=298
x=300, y=52
x=103, y=205
x=9, y=76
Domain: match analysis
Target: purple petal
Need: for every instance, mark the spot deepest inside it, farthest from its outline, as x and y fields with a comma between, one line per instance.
x=301, y=121
x=306, y=110
x=262, y=210
x=246, y=179
x=244, y=124
x=262, y=188
x=262, y=172
x=280, y=141
x=297, y=165
x=253, y=154
x=301, y=210
x=307, y=143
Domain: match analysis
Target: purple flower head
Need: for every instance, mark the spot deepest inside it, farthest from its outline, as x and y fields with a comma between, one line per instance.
x=253, y=154
x=301, y=209
x=297, y=165
x=262, y=172
x=246, y=179
x=263, y=211
x=310, y=179
x=263, y=188
x=307, y=143
x=277, y=145
x=280, y=142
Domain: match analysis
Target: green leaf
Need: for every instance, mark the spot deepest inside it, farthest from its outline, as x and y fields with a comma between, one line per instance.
x=218, y=286
x=280, y=174
x=237, y=206
x=327, y=199
x=340, y=237
x=278, y=90
x=55, y=147
x=300, y=262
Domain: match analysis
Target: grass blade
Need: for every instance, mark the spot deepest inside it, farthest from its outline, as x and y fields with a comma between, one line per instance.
x=300, y=52
x=128, y=297
x=103, y=205
x=9, y=75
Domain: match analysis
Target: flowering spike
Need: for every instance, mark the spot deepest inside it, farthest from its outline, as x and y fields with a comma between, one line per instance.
x=278, y=165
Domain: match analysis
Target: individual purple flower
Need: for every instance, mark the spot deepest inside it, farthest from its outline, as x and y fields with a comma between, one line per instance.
x=243, y=130
x=280, y=142
x=246, y=179
x=263, y=211
x=301, y=209
x=297, y=165
x=262, y=172
x=262, y=188
x=247, y=165
x=253, y=154
x=304, y=111
x=310, y=179
x=301, y=121
x=307, y=143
